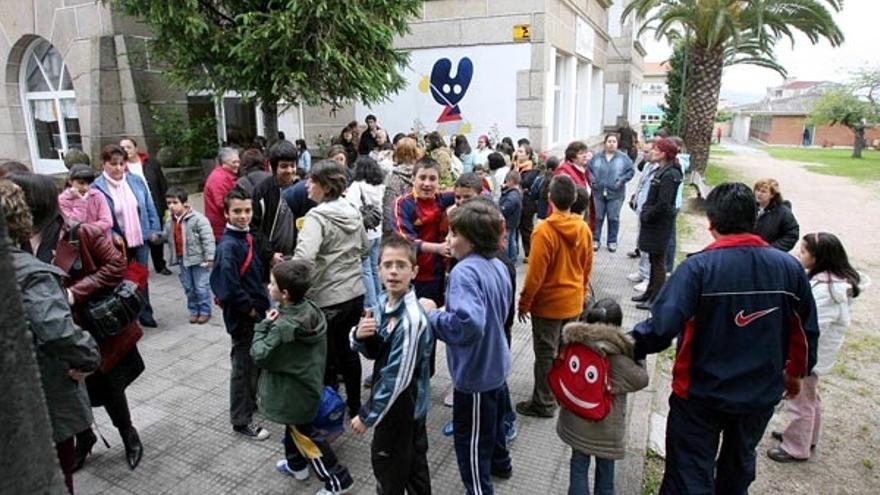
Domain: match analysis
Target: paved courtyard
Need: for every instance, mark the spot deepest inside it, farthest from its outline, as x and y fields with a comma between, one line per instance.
x=180, y=406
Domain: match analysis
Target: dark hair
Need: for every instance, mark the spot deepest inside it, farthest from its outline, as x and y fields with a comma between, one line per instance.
x=506, y=148
x=13, y=204
x=731, y=208
x=177, y=192
x=371, y=117
x=331, y=176
x=830, y=256
x=72, y=157
x=282, y=151
x=397, y=137
x=495, y=161
x=470, y=180
x=252, y=159
x=524, y=141
x=551, y=163
x=13, y=167
x=433, y=141
x=581, y=201
x=81, y=171
x=109, y=150
x=425, y=162
x=610, y=134
x=367, y=170
x=562, y=192
x=41, y=196
x=126, y=138
x=294, y=276
x=399, y=242
x=337, y=149
x=573, y=148
x=606, y=311
x=235, y=193
x=528, y=148
x=508, y=141
x=462, y=146
x=480, y=223
x=300, y=143
x=661, y=133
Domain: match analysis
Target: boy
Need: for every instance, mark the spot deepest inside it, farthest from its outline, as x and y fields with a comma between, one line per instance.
x=472, y=327
x=191, y=242
x=511, y=207
x=400, y=341
x=237, y=287
x=555, y=288
x=291, y=347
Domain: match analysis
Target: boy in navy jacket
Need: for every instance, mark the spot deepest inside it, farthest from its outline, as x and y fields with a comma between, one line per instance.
x=478, y=300
x=238, y=288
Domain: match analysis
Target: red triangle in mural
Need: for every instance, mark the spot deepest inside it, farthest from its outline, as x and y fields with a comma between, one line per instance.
x=449, y=114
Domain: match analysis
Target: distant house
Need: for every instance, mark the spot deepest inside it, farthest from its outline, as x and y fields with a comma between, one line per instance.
x=653, y=94
x=781, y=118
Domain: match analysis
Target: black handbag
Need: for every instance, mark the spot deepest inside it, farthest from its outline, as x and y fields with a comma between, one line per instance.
x=370, y=213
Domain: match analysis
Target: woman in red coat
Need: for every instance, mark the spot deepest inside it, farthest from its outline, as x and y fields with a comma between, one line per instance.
x=577, y=156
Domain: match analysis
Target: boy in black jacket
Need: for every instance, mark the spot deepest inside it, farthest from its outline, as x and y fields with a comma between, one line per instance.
x=238, y=288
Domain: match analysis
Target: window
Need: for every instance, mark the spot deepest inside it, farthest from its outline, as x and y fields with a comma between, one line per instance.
x=237, y=117
x=49, y=103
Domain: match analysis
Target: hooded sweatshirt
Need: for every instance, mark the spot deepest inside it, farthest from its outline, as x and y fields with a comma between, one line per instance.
x=560, y=264
x=333, y=239
x=832, y=305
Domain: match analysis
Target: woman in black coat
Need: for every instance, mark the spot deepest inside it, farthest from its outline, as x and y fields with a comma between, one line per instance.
x=775, y=223
x=657, y=219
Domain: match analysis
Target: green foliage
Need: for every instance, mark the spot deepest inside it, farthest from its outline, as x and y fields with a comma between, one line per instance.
x=723, y=116
x=840, y=106
x=833, y=161
x=653, y=476
x=311, y=51
x=190, y=141
x=673, y=110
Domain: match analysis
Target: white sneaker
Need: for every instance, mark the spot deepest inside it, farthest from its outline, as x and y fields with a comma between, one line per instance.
x=642, y=286
x=324, y=491
x=447, y=401
x=635, y=277
x=283, y=468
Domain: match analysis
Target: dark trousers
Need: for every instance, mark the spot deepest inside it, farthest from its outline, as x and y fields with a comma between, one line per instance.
x=157, y=253
x=434, y=290
x=672, y=248
x=526, y=225
x=693, y=432
x=399, y=452
x=67, y=458
x=340, y=358
x=546, y=337
x=480, y=442
x=243, y=377
x=303, y=448
x=658, y=274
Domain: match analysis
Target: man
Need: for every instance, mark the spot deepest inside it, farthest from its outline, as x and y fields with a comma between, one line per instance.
x=368, y=137
x=273, y=223
x=745, y=320
x=140, y=164
x=221, y=180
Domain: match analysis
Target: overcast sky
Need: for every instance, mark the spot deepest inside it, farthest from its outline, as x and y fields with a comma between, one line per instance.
x=859, y=22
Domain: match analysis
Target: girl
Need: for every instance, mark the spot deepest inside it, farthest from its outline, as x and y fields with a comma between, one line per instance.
x=835, y=283
x=606, y=439
x=78, y=202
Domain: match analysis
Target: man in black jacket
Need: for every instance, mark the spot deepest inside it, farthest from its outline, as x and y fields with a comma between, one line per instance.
x=140, y=164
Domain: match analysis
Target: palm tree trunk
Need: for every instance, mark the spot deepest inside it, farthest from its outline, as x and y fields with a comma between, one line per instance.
x=702, y=89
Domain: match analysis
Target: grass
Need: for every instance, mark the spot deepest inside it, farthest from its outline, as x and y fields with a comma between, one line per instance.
x=654, y=466
x=833, y=161
x=717, y=150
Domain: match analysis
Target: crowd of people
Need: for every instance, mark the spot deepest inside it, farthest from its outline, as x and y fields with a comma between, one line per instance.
x=386, y=246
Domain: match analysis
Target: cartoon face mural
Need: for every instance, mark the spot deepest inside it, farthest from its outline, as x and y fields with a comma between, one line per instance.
x=579, y=380
x=448, y=91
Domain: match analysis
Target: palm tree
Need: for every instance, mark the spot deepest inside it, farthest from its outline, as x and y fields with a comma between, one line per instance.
x=727, y=32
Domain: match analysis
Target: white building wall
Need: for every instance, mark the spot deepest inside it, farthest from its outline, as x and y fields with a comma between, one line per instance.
x=598, y=101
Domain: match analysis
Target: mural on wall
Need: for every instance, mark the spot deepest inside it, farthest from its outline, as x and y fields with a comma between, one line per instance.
x=456, y=90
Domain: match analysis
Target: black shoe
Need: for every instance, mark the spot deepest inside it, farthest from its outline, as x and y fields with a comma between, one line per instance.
x=777, y=435
x=780, y=455
x=134, y=450
x=641, y=297
x=645, y=305
x=164, y=271
x=504, y=474
x=252, y=431
x=633, y=254
x=84, y=443
x=151, y=323
x=527, y=408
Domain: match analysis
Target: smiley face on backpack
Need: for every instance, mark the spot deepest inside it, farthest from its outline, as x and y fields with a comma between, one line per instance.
x=580, y=381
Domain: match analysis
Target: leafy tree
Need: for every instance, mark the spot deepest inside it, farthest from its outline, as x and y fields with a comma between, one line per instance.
x=727, y=32
x=674, y=84
x=310, y=51
x=842, y=106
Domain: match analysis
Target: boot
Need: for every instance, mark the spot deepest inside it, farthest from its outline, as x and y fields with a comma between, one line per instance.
x=85, y=440
x=133, y=448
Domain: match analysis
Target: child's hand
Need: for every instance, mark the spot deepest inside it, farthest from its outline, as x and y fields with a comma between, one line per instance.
x=427, y=304
x=792, y=387
x=358, y=426
x=366, y=327
x=272, y=314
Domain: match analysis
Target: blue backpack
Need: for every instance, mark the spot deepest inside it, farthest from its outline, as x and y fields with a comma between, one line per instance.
x=331, y=413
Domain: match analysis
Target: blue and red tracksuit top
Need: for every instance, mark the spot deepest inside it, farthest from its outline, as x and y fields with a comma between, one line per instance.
x=424, y=220
x=743, y=312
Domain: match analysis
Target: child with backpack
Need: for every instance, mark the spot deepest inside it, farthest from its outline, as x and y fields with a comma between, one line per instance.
x=591, y=378
x=290, y=345
x=191, y=242
x=399, y=339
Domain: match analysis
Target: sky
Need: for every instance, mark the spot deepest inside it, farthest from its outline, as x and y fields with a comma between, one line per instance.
x=806, y=62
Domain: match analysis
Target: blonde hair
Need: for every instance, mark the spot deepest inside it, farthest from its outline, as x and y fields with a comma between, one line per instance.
x=406, y=151
x=771, y=185
x=19, y=220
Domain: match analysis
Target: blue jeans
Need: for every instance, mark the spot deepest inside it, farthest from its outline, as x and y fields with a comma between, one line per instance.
x=607, y=207
x=372, y=283
x=196, y=284
x=512, y=249
x=670, y=249
x=579, y=480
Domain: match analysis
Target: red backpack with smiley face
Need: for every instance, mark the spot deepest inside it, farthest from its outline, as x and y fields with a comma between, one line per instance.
x=581, y=381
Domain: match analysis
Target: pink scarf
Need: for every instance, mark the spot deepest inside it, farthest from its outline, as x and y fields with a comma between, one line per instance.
x=126, y=203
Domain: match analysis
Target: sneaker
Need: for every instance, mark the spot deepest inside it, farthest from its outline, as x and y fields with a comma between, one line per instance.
x=253, y=431
x=282, y=467
x=448, y=429
x=449, y=399
x=510, y=430
x=527, y=408
x=368, y=381
x=595, y=246
x=612, y=247
x=641, y=287
x=634, y=253
x=635, y=277
x=193, y=319
x=526, y=260
x=324, y=491
x=504, y=474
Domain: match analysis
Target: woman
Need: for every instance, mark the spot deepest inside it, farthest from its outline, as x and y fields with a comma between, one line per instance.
x=834, y=283
x=609, y=171
x=347, y=139
x=657, y=218
x=450, y=166
x=528, y=173
x=140, y=164
x=333, y=239
x=483, y=150
x=464, y=153
x=65, y=353
x=383, y=152
x=135, y=221
x=368, y=187
x=775, y=223
x=577, y=159
x=400, y=181
x=305, y=158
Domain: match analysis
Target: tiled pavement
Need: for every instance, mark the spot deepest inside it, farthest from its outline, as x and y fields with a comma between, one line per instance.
x=180, y=407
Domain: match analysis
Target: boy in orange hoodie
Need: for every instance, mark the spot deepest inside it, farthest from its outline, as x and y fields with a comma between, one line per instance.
x=555, y=288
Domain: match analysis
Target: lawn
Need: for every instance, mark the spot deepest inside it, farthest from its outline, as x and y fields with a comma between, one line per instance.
x=833, y=161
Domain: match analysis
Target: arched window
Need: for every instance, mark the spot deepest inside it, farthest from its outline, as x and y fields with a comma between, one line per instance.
x=49, y=103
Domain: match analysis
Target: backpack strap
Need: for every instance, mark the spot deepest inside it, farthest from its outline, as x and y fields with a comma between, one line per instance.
x=250, y=256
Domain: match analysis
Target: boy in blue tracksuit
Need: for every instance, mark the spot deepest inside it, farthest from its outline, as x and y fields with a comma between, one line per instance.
x=237, y=285
x=399, y=339
x=478, y=300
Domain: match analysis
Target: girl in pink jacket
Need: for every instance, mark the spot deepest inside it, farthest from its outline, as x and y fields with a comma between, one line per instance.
x=80, y=203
